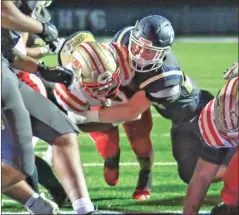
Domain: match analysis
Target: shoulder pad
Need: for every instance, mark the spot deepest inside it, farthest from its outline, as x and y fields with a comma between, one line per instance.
x=123, y=35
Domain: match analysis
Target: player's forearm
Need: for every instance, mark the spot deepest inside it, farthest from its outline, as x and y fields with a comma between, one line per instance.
x=25, y=63
x=118, y=113
x=123, y=112
x=14, y=19
x=34, y=52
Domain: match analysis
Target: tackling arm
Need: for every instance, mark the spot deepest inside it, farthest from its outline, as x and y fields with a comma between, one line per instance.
x=198, y=186
x=25, y=63
x=122, y=112
x=14, y=19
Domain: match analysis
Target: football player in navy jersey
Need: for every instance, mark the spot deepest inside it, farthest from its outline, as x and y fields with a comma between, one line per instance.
x=160, y=81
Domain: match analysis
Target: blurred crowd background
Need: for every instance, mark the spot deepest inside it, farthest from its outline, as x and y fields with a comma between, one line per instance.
x=106, y=17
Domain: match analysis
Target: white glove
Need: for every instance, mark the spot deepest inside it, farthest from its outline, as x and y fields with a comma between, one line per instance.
x=232, y=72
x=76, y=118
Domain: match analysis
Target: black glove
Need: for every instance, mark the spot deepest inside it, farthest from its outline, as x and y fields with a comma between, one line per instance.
x=58, y=74
x=49, y=34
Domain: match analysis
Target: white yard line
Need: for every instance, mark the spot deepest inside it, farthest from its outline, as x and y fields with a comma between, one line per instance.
x=130, y=164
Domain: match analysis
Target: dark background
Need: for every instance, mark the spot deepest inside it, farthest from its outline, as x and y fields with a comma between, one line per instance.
x=106, y=17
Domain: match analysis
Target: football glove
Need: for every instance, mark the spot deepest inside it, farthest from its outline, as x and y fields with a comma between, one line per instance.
x=49, y=34
x=58, y=74
x=232, y=72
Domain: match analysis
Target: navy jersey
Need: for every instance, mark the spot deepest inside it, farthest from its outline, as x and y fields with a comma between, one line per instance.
x=173, y=93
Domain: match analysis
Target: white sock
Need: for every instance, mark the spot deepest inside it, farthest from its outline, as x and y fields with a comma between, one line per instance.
x=31, y=200
x=83, y=206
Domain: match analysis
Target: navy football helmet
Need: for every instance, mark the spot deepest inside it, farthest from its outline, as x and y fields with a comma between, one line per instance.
x=150, y=40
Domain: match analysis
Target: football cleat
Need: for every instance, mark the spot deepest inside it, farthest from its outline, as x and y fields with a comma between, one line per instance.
x=111, y=169
x=111, y=176
x=44, y=206
x=143, y=188
x=223, y=209
x=141, y=194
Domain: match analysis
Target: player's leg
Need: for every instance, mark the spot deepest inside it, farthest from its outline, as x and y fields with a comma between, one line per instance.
x=230, y=204
x=186, y=145
x=33, y=180
x=17, y=150
x=138, y=133
x=53, y=126
x=47, y=179
x=46, y=175
x=23, y=193
x=230, y=179
x=107, y=144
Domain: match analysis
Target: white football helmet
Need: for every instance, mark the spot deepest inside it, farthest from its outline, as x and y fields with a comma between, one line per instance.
x=96, y=70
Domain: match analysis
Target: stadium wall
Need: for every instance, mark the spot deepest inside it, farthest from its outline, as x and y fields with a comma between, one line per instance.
x=106, y=17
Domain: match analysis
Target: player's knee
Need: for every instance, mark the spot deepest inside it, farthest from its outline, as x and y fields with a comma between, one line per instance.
x=28, y=171
x=66, y=139
x=185, y=174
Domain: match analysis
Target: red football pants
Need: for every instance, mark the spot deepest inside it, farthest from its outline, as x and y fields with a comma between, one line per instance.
x=138, y=133
x=33, y=81
x=230, y=190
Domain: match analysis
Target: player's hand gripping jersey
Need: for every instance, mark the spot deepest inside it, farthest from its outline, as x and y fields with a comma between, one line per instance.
x=100, y=70
x=172, y=92
x=219, y=119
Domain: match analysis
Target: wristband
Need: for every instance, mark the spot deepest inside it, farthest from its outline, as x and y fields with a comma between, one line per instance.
x=93, y=116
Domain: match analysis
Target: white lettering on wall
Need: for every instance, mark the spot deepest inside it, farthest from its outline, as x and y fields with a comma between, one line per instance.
x=98, y=19
x=64, y=19
x=79, y=19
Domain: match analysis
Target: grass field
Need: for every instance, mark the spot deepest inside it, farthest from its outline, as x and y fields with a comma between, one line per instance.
x=205, y=63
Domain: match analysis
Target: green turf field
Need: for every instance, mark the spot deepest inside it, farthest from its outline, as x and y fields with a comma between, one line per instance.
x=205, y=63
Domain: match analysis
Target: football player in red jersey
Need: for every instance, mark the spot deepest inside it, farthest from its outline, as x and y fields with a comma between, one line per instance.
x=104, y=72
x=219, y=127
x=100, y=65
